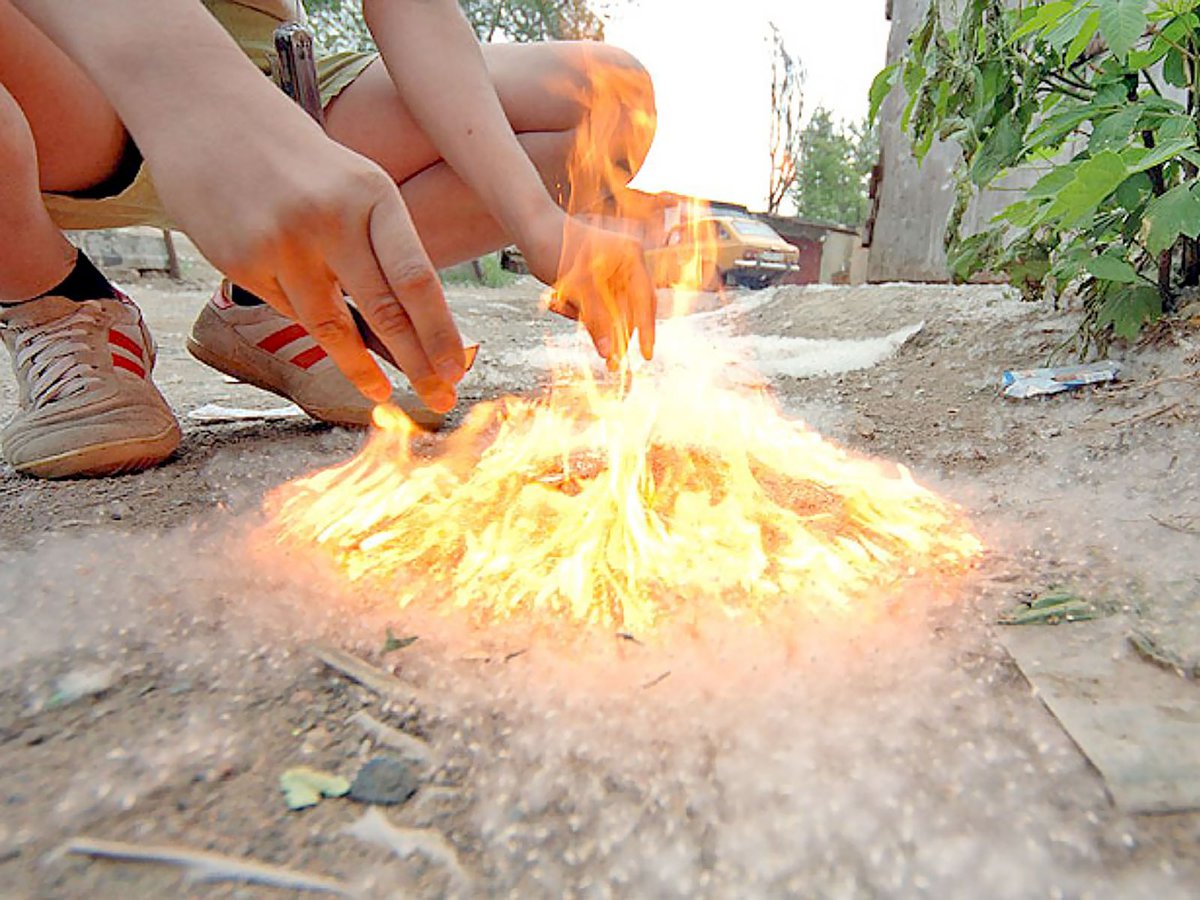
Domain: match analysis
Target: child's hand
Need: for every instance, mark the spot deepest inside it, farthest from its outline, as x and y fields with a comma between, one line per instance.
x=266, y=196
x=298, y=219
x=600, y=278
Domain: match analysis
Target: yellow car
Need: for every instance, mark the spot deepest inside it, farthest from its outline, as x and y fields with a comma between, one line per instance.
x=743, y=251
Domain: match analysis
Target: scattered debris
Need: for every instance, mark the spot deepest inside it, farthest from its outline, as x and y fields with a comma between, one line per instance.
x=654, y=682
x=206, y=868
x=1148, y=415
x=369, y=676
x=303, y=786
x=393, y=643
x=409, y=746
x=217, y=412
x=86, y=681
x=385, y=781
x=1051, y=607
x=1183, y=524
x=374, y=828
x=1021, y=384
x=1152, y=651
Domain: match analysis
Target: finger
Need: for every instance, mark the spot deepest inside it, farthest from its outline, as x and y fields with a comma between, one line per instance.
x=275, y=298
x=415, y=284
x=645, y=308
x=358, y=272
x=563, y=306
x=320, y=309
x=598, y=317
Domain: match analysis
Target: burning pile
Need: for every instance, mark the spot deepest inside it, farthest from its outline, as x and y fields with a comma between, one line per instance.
x=664, y=494
x=623, y=509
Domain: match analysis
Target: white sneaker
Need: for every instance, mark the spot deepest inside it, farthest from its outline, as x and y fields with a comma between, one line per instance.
x=87, y=403
x=265, y=348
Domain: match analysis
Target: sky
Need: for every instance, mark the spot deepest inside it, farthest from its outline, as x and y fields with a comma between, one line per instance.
x=710, y=61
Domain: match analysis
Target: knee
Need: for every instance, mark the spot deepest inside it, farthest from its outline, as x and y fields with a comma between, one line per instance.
x=618, y=95
x=16, y=143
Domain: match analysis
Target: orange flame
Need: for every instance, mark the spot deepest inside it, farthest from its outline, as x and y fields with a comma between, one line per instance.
x=668, y=496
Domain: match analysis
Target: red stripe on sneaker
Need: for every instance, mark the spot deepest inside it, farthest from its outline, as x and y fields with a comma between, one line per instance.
x=309, y=357
x=277, y=340
x=125, y=343
x=120, y=362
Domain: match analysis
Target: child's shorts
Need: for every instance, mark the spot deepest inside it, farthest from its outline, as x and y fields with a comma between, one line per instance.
x=129, y=197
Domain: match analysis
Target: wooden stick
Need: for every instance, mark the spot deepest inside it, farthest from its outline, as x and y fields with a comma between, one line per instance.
x=1146, y=416
x=1174, y=526
x=362, y=672
x=203, y=867
x=410, y=746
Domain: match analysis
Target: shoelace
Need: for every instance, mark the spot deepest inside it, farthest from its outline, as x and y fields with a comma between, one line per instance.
x=47, y=355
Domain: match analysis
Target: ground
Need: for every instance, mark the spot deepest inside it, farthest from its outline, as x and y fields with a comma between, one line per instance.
x=157, y=676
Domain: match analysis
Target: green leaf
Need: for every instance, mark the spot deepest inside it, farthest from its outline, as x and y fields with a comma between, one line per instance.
x=1167, y=217
x=304, y=787
x=1066, y=31
x=1094, y=180
x=881, y=87
x=1139, y=159
x=1133, y=191
x=393, y=643
x=1022, y=214
x=1044, y=17
x=1128, y=309
x=1084, y=37
x=1122, y=22
x=1052, y=182
x=1174, y=71
x=999, y=151
x=1114, y=131
x=1111, y=268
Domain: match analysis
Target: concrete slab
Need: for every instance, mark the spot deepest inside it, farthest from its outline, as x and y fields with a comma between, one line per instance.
x=1138, y=724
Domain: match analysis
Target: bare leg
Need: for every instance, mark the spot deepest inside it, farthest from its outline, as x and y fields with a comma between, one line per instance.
x=544, y=89
x=57, y=132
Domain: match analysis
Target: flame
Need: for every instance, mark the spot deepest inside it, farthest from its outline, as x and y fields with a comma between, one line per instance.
x=663, y=493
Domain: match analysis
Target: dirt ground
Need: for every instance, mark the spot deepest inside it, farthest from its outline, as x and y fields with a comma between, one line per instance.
x=156, y=680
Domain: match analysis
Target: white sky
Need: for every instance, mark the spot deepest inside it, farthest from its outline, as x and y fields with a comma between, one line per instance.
x=710, y=60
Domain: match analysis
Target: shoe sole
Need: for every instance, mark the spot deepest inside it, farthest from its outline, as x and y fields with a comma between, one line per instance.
x=114, y=458
x=426, y=419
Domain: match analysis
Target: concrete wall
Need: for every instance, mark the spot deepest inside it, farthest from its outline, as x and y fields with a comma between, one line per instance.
x=837, y=255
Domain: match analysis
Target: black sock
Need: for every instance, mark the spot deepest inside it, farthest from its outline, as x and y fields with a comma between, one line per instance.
x=242, y=297
x=83, y=282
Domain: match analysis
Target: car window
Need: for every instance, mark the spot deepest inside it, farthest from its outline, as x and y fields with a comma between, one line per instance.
x=751, y=227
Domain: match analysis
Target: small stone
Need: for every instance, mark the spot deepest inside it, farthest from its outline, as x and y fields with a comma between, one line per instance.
x=385, y=781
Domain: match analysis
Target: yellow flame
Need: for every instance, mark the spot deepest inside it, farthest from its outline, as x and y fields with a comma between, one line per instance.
x=669, y=495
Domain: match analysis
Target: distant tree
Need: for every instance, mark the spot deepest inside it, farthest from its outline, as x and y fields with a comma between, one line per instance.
x=533, y=20
x=339, y=24
x=787, y=107
x=834, y=162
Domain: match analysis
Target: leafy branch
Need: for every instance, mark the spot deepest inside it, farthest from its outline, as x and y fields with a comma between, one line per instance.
x=1102, y=95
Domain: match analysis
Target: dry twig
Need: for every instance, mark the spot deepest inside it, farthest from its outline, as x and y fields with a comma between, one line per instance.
x=371, y=677
x=202, y=867
x=1148, y=415
x=1182, y=528
x=385, y=734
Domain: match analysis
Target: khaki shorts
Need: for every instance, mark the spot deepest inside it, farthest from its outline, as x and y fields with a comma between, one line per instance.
x=136, y=202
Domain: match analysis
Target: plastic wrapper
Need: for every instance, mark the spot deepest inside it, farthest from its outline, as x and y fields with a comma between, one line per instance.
x=1021, y=384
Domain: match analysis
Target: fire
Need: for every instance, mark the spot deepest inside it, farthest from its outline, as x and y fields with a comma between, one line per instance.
x=664, y=493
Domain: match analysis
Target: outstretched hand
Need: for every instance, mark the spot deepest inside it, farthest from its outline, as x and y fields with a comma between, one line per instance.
x=600, y=278
x=300, y=221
